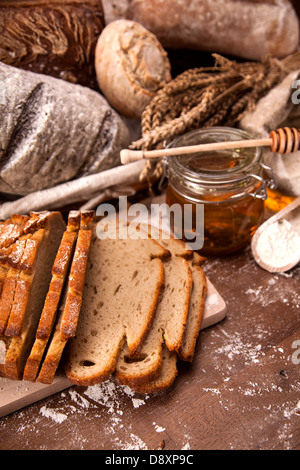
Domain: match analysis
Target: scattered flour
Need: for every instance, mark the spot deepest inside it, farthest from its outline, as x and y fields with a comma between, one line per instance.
x=134, y=443
x=212, y=300
x=107, y=394
x=55, y=415
x=293, y=411
x=158, y=428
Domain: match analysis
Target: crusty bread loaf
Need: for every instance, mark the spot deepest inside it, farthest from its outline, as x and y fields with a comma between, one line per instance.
x=131, y=66
x=248, y=29
x=35, y=289
x=128, y=306
x=59, y=274
x=70, y=307
x=16, y=251
x=54, y=37
x=124, y=281
x=23, y=282
x=14, y=233
x=49, y=125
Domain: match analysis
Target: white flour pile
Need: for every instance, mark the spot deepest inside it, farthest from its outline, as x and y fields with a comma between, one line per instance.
x=279, y=244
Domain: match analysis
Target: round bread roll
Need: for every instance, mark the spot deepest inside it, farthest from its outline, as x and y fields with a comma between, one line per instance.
x=131, y=65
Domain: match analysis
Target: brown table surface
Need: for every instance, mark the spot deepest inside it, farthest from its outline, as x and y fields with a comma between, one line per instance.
x=241, y=392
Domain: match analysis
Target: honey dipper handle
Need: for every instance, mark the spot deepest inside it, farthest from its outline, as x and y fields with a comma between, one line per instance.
x=129, y=156
x=284, y=140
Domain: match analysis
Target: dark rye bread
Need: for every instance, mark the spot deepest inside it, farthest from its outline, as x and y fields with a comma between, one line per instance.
x=53, y=37
x=124, y=282
x=70, y=307
x=31, y=298
x=60, y=271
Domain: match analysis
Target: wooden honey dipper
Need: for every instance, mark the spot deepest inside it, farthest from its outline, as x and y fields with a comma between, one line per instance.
x=284, y=140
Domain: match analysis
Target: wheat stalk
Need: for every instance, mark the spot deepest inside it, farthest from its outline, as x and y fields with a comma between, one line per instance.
x=208, y=96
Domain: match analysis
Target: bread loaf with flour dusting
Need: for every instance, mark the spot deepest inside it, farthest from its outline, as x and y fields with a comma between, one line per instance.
x=248, y=29
x=53, y=131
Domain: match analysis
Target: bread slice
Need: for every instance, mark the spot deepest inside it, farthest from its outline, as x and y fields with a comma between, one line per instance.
x=168, y=326
x=166, y=377
x=194, y=319
x=45, y=243
x=4, y=346
x=156, y=370
x=59, y=274
x=124, y=281
x=71, y=304
x=77, y=277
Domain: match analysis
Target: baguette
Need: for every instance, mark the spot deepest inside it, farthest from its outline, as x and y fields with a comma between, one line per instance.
x=59, y=273
x=35, y=286
x=71, y=305
x=247, y=29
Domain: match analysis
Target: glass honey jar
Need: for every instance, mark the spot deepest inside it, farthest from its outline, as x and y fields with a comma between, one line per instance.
x=230, y=185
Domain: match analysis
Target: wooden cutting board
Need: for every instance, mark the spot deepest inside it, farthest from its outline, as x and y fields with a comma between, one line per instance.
x=15, y=395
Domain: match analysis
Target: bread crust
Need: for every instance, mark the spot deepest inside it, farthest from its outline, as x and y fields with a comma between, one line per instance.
x=131, y=66
x=59, y=274
x=23, y=284
x=247, y=29
x=38, y=266
x=66, y=323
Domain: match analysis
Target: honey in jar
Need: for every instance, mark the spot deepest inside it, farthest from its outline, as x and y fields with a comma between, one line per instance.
x=277, y=200
x=228, y=183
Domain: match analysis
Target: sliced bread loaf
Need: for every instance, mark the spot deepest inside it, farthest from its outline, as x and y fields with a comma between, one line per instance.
x=156, y=371
x=168, y=326
x=32, y=292
x=124, y=281
x=16, y=248
x=70, y=307
x=59, y=274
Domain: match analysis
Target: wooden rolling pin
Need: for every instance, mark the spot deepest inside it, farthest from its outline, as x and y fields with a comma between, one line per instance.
x=285, y=140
